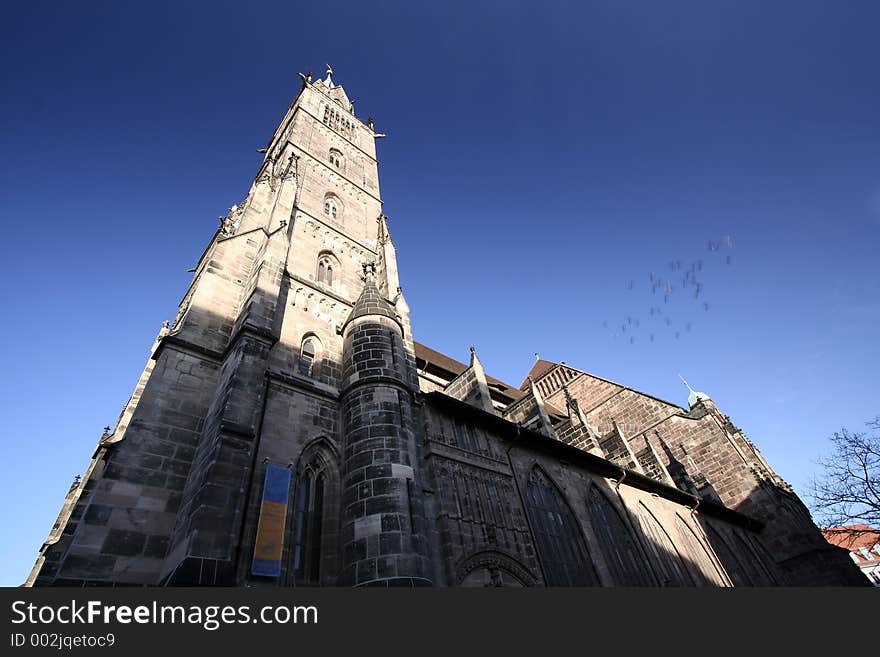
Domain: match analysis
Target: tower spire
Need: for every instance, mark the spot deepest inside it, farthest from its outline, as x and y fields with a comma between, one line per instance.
x=694, y=396
x=329, y=81
x=687, y=385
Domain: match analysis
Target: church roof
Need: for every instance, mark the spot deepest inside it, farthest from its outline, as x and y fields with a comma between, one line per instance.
x=539, y=369
x=455, y=368
x=543, y=367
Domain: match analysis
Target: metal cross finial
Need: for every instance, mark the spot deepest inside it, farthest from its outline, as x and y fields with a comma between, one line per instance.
x=369, y=270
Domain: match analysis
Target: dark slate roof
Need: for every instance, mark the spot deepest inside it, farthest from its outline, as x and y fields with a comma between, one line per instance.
x=454, y=368
x=371, y=302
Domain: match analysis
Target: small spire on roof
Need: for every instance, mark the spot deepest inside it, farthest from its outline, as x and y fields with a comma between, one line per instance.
x=400, y=303
x=383, y=235
x=537, y=357
x=694, y=396
x=329, y=81
x=475, y=361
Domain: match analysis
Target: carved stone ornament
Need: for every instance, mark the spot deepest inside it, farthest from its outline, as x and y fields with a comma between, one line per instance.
x=494, y=562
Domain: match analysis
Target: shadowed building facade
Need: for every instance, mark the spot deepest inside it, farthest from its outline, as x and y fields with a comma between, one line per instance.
x=292, y=353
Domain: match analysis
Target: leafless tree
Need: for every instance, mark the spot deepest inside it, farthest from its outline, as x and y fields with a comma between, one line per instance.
x=847, y=492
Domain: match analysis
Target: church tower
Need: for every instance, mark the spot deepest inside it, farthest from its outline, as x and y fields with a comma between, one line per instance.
x=288, y=431
x=290, y=346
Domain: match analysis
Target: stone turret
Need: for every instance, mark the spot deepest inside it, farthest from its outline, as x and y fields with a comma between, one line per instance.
x=382, y=519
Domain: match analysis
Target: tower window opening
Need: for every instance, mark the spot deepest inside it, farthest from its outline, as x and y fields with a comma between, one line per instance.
x=332, y=118
x=326, y=265
x=333, y=207
x=307, y=357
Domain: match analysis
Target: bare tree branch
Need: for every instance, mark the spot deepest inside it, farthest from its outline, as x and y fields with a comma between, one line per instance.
x=848, y=489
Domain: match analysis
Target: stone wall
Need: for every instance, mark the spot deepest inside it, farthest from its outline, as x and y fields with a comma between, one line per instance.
x=485, y=533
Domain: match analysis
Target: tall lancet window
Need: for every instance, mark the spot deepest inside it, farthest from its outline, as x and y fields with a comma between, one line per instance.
x=704, y=568
x=312, y=556
x=331, y=207
x=665, y=557
x=328, y=267
x=307, y=356
x=621, y=552
x=733, y=564
x=560, y=541
x=307, y=527
x=337, y=159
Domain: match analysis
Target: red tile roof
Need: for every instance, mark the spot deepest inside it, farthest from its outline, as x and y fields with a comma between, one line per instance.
x=853, y=537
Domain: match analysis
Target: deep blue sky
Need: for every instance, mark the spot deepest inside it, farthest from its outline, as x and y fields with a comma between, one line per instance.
x=539, y=158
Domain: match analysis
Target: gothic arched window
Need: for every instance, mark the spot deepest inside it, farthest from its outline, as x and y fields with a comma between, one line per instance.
x=336, y=159
x=670, y=567
x=557, y=534
x=307, y=356
x=621, y=552
x=313, y=552
x=707, y=573
x=733, y=563
x=755, y=559
x=328, y=269
x=331, y=208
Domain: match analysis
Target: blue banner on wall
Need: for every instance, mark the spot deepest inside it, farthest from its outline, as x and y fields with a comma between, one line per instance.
x=270, y=527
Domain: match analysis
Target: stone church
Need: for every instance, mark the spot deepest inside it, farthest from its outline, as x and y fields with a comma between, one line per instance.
x=288, y=430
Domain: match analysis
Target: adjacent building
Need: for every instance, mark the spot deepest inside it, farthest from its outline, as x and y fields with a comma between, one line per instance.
x=863, y=544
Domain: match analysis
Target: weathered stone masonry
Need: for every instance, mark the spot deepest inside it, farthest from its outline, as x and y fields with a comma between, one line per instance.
x=293, y=346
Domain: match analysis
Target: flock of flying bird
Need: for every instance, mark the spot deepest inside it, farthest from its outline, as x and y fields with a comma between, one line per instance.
x=679, y=282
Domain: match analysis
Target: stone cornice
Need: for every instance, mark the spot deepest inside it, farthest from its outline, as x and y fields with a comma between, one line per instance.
x=314, y=286
x=302, y=384
x=345, y=235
